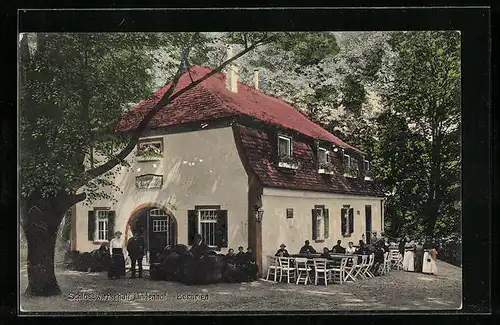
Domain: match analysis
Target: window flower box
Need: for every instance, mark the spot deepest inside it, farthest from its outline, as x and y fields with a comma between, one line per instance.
x=288, y=162
x=326, y=168
x=150, y=150
x=149, y=154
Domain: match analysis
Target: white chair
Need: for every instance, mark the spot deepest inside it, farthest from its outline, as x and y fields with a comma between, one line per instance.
x=386, y=266
x=351, y=269
x=273, y=267
x=287, y=268
x=371, y=260
x=303, y=270
x=363, y=267
x=338, y=271
x=321, y=270
x=396, y=259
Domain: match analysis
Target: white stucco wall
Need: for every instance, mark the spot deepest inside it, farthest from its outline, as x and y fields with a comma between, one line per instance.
x=277, y=229
x=199, y=168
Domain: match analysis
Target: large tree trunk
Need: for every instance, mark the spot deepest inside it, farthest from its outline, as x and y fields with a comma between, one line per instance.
x=41, y=238
x=40, y=223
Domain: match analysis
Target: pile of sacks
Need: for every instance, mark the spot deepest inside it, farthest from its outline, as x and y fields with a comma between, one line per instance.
x=95, y=261
x=193, y=267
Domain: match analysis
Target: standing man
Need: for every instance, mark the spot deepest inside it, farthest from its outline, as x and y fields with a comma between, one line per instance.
x=419, y=257
x=135, y=247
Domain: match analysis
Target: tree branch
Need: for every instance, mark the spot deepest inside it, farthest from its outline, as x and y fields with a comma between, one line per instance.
x=166, y=99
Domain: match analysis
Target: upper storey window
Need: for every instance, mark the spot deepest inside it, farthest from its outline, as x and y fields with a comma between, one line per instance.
x=150, y=149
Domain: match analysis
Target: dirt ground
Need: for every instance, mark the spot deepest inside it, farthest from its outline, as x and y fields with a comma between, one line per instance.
x=398, y=290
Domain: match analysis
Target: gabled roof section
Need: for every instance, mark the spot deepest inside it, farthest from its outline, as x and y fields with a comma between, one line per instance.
x=211, y=99
x=257, y=148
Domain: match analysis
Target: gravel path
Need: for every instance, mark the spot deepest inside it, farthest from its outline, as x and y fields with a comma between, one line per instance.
x=398, y=290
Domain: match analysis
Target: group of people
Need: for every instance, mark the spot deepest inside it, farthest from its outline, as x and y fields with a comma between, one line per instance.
x=134, y=248
x=241, y=256
x=379, y=248
x=337, y=249
x=418, y=257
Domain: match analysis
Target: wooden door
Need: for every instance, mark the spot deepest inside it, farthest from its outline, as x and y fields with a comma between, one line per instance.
x=368, y=223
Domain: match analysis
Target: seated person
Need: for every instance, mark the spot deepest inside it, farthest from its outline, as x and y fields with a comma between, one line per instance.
x=230, y=254
x=350, y=248
x=338, y=249
x=282, y=251
x=249, y=255
x=240, y=251
x=307, y=248
x=326, y=253
x=361, y=248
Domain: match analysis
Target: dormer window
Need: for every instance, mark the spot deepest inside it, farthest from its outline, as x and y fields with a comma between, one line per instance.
x=285, y=155
x=150, y=149
x=350, y=166
x=347, y=161
x=323, y=155
x=324, y=162
x=368, y=172
x=284, y=146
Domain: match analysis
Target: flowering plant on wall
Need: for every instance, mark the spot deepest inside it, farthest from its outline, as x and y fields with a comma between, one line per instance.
x=149, y=151
x=327, y=168
x=287, y=161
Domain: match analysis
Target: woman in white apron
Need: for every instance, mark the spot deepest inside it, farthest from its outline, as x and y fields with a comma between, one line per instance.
x=408, y=258
x=429, y=263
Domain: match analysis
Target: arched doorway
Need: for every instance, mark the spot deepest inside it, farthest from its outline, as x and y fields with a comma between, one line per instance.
x=158, y=226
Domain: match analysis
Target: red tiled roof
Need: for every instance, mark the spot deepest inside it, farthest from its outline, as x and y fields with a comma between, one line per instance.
x=258, y=149
x=211, y=99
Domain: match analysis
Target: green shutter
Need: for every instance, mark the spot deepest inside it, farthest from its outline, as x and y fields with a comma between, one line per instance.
x=91, y=225
x=351, y=220
x=314, y=228
x=111, y=224
x=192, y=225
x=327, y=223
x=221, y=230
x=343, y=218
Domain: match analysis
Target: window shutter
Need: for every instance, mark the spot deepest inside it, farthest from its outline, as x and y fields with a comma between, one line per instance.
x=351, y=220
x=343, y=217
x=314, y=234
x=192, y=225
x=91, y=225
x=221, y=230
x=111, y=224
x=326, y=219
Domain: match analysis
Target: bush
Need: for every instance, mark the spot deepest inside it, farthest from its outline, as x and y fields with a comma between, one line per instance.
x=177, y=264
x=450, y=252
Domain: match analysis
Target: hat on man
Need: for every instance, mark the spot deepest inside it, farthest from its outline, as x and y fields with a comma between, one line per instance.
x=118, y=233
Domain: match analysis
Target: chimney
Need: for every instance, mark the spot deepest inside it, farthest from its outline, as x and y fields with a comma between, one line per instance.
x=232, y=72
x=256, y=78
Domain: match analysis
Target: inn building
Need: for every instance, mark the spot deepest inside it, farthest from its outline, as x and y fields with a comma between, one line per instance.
x=239, y=167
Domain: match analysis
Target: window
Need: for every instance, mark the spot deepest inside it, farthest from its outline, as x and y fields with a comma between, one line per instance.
x=207, y=228
x=289, y=213
x=367, y=165
x=323, y=155
x=161, y=225
x=101, y=225
x=347, y=161
x=320, y=223
x=211, y=223
x=284, y=146
x=150, y=149
x=354, y=165
x=347, y=220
